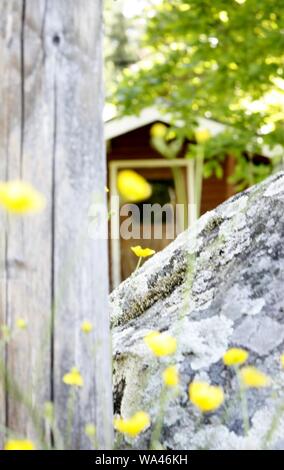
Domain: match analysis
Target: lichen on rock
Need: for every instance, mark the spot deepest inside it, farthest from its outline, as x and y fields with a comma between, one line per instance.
x=218, y=285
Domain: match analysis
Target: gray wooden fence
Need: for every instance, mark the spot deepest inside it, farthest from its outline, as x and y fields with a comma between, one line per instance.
x=52, y=273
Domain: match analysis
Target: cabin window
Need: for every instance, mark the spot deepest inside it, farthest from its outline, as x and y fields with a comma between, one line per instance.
x=162, y=194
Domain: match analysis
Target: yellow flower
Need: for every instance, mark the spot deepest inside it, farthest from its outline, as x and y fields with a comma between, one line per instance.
x=206, y=397
x=21, y=323
x=170, y=376
x=14, y=444
x=235, y=357
x=106, y=189
x=132, y=186
x=134, y=425
x=202, y=135
x=282, y=360
x=161, y=344
x=254, y=378
x=73, y=378
x=158, y=130
x=86, y=327
x=142, y=252
x=19, y=197
x=90, y=430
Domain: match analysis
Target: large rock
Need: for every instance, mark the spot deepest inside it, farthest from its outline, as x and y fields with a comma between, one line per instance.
x=219, y=284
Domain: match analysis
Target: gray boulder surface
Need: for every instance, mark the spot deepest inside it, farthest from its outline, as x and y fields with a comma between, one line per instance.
x=218, y=285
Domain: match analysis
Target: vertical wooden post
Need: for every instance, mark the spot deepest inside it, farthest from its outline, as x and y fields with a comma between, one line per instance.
x=56, y=275
x=190, y=180
x=114, y=228
x=26, y=123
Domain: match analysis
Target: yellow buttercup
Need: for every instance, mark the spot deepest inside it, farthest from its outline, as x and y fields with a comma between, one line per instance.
x=206, y=397
x=134, y=425
x=132, y=186
x=86, y=327
x=17, y=444
x=142, y=252
x=235, y=356
x=19, y=197
x=73, y=378
x=161, y=344
x=171, y=376
x=254, y=378
x=21, y=323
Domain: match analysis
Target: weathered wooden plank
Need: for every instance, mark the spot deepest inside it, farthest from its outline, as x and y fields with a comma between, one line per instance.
x=29, y=248
x=52, y=136
x=10, y=143
x=80, y=269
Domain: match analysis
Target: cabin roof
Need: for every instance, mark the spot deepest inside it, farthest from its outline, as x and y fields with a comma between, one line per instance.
x=119, y=125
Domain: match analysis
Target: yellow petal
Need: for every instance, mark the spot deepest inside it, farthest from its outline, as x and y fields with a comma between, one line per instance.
x=161, y=344
x=86, y=327
x=90, y=430
x=205, y=397
x=235, y=356
x=142, y=252
x=16, y=444
x=21, y=323
x=171, y=376
x=134, y=425
x=132, y=186
x=19, y=197
x=254, y=378
x=73, y=378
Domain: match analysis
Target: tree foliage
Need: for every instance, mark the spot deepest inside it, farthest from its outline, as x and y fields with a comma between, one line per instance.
x=120, y=44
x=221, y=60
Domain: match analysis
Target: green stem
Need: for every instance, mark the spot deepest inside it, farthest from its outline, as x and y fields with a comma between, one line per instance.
x=157, y=431
x=55, y=433
x=244, y=402
x=138, y=264
x=199, y=180
x=274, y=425
x=118, y=442
x=70, y=417
x=181, y=192
x=16, y=394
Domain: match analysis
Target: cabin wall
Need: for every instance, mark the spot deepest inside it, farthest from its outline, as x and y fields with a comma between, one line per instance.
x=136, y=145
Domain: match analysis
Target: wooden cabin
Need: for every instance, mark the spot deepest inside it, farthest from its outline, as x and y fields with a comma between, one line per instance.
x=128, y=146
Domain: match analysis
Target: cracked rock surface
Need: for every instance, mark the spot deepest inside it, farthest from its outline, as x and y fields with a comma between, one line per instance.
x=219, y=284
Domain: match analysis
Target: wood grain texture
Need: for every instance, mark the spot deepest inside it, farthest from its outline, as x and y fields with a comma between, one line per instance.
x=10, y=148
x=80, y=263
x=52, y=136
x=26, y=151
